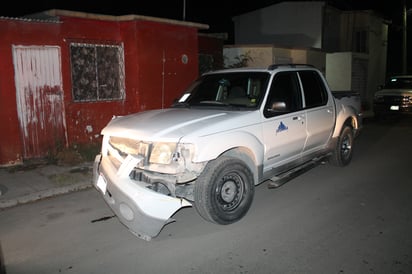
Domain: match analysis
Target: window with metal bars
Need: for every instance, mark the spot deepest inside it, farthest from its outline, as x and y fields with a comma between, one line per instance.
x=97, y=72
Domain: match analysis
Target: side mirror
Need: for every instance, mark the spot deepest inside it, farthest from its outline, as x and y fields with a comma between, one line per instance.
x=278, y=106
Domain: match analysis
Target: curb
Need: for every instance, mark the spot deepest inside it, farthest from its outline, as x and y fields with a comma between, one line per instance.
x=32, y=197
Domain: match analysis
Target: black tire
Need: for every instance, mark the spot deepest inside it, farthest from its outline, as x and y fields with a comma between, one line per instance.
x=224, y=191
x=342, y=154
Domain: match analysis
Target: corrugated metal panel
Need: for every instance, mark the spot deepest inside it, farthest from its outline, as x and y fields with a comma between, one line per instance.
x=39, y=95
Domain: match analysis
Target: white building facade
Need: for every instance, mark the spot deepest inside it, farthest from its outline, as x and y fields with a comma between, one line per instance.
x=350, y=47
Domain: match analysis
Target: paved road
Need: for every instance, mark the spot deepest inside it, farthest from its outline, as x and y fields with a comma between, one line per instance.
x=356, y=219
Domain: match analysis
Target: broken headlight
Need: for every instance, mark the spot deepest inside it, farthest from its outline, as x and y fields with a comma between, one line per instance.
x=162, y=153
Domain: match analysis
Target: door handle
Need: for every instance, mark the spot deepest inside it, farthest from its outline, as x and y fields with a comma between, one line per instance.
x=297, y=118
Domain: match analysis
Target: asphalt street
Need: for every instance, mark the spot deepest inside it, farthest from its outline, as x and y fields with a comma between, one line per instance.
x=355, y=219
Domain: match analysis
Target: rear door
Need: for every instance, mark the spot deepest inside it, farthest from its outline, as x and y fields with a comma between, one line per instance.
x=319, y=110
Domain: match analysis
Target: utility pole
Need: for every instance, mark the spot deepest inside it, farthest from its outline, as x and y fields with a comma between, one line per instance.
x=184, y=10
x=404, y=37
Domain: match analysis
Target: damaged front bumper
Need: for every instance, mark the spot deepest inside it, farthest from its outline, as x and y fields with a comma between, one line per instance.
x=143, y=211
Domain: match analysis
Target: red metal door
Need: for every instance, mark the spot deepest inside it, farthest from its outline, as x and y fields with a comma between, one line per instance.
x=39, y=96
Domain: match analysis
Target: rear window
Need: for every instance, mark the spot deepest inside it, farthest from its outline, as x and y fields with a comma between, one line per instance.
x=314, y=89
x=399, y=83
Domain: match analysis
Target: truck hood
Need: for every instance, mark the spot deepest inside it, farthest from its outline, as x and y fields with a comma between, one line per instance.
x=173, y=123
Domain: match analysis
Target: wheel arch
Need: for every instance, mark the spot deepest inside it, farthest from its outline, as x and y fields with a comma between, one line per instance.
x=350, y=121
x=249, y=158
x=242, y=145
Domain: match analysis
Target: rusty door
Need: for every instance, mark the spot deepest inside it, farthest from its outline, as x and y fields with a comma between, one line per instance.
x=39, y=96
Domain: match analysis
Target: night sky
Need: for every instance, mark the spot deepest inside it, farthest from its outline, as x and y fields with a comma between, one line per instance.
x=218, y=14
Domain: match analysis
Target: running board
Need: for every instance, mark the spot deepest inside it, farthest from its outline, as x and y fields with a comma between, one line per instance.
x=277, y=181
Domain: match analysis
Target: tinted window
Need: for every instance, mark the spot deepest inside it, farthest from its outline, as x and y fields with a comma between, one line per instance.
x=284, y=95
x=313, y=89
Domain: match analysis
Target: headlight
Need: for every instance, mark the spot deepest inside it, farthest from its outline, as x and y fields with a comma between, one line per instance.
x=162, y=153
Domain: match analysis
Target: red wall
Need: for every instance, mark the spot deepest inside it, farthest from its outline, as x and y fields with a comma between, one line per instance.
x=15, y=32
x=212, y=45
x=168, y=66
x=84, y=120
x=160, y=61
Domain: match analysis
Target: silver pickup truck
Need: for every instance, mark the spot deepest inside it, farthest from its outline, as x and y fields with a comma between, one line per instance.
x=229, y=132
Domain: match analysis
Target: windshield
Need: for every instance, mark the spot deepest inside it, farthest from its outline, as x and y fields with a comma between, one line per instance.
x=237, y=89
x=399, y=83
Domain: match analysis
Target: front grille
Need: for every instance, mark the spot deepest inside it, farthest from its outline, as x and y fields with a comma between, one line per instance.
x=114, y=160
x=396, y=99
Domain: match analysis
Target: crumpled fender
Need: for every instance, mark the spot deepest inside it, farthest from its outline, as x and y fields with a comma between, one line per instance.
x=143, y=211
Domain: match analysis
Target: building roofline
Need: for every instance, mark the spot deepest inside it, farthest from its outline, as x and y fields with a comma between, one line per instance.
x=129, y=17
x=33, y=19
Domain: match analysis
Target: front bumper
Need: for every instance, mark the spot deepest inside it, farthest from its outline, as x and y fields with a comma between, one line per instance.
x=383, y=108
x=143, y=211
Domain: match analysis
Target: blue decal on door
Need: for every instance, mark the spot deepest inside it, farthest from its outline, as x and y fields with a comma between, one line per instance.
x=281, y=127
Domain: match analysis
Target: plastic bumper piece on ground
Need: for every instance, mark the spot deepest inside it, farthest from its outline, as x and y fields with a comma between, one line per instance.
x=143, y=211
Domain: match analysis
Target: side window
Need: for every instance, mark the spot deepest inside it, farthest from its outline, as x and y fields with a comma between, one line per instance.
x=97, y=72
x=313, y=89
x=284, y=95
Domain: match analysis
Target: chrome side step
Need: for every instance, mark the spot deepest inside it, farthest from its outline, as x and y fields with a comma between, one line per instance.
x=280, y=179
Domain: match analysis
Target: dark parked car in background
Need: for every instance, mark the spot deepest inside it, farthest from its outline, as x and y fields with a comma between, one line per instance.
x=395, y=97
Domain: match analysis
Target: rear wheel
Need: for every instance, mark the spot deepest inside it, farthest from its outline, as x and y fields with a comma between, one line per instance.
x=224, y=191
x=342, y=154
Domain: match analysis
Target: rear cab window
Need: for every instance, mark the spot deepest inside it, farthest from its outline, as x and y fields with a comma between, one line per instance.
x=313, y=89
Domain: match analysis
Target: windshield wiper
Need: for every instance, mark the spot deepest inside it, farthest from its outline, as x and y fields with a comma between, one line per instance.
x=181, y=105
x=214, y=103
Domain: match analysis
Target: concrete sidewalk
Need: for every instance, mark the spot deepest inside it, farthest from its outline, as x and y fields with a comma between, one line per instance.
x=24, y=184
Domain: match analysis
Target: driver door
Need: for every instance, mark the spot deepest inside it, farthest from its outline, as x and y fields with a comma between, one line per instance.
x=284, y=125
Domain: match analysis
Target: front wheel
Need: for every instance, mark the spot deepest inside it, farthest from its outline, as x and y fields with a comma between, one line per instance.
x=342, y=153
x=224, y=191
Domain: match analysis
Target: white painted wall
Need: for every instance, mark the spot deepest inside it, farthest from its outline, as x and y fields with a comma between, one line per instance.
x=295, y=31
x=284, y=24
x=265, y=55
x=339, y=71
